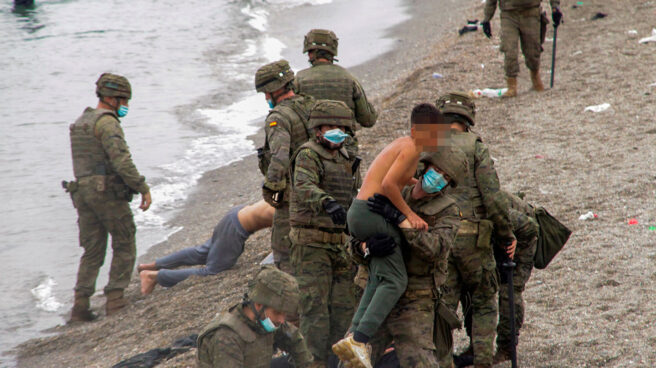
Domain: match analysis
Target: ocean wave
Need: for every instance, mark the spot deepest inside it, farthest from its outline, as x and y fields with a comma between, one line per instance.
x=45, y=300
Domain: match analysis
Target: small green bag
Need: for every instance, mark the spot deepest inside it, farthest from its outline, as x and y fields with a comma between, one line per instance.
x=551, y=238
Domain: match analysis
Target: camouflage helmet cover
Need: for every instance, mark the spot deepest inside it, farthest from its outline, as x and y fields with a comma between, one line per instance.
x=329, y=112
x=273, y=76
x=112, y=85
x=276, y=289
x=451, y=160
x=457, y=103
x=321, y=39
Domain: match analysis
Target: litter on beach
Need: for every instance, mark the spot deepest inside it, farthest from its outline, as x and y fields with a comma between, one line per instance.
x=268, y=259
x=633, y=221
x=437, y=75
x=652, y=85
x=598, y=108
x=488, y=92
x=577, y=52
x=651, y=38
x=588, y=216
x=632, y=32
x=599, y=16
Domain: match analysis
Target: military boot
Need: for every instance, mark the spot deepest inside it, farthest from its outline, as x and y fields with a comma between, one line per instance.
x=115, y=302
x=357, y=354
x=501, y=356
x=464, y=359
x=536, y=80
x=512, y=87
x=81, y=311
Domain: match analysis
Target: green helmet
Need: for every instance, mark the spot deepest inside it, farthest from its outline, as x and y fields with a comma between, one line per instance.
x=457, y=103
x=273, y=76
x=329, y=112
x=276, y=289
x=321, y=39
x=112, y=85
x=449, y=159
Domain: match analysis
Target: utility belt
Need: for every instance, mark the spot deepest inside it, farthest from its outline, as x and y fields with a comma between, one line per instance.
x=482, y=229
x=110, y=184
x=420, y=293
x=309, y=235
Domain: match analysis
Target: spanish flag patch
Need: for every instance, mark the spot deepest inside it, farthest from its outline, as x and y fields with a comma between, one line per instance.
x=273, y=123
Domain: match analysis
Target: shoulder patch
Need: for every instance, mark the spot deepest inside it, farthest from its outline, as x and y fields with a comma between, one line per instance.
x=273, y=123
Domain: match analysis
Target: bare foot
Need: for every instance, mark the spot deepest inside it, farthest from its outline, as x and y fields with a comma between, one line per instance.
x=146, y=266
x=148, y=281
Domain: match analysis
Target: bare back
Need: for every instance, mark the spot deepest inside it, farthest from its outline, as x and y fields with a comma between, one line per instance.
x=397, y=161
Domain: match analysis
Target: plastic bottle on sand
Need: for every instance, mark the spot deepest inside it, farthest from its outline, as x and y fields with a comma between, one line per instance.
x=488, y=92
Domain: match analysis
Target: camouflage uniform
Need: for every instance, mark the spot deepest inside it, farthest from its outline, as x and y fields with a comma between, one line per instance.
x=525, y=228
x=106, y=177
x=232, y=340
x=411, y=323
x=482, y=206
x=520, y=21
x=319, y=258
x=286, y=130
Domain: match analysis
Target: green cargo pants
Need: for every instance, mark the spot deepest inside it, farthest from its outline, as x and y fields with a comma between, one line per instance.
x=99, y=214
x=520, y=26
x=325, y=279
x=280, y=243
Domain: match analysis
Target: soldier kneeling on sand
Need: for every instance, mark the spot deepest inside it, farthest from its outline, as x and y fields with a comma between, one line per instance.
x=247, y=335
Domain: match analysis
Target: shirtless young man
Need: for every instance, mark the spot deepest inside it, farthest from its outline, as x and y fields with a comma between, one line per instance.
x=218, y=253
x=388, y=174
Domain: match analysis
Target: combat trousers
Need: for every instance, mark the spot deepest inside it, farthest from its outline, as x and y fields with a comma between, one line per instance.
x=472, y=269
x=325, y=279
x=410, y=326
x=524, y=261
x=280, y=243
x=99, y=214
x=520, y=26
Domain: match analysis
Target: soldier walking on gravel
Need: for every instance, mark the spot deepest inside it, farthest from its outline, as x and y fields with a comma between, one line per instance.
x=286, y=130
x=105, y=180
x=521, y=21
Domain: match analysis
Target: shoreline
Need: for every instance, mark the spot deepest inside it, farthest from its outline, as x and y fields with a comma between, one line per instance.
x=591, y=307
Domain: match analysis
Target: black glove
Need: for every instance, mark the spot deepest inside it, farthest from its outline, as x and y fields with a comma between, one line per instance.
x=272, y=197
x=383, y=206
x=337, y=213
x=556, y=17
x=380, y=245
x=487, y=29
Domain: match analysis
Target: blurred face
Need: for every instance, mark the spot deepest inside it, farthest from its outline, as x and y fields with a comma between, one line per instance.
x=274, y=315
x=429, y=136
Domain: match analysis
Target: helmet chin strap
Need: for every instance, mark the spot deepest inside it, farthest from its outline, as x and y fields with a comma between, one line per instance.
x=258, y=315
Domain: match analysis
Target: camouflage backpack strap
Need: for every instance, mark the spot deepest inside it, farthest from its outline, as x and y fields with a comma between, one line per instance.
x=310, y=146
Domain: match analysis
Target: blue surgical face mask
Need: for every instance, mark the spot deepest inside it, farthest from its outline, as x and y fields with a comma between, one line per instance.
x=433, y=181
x=122, y=111
x=268, y=325
x=271, y=104
x=335, y=136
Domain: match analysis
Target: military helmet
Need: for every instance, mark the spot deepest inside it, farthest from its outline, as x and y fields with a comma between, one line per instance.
x=112, y=85
x=273, y=76
x=449, y=159
x=457, y=103
x=321, y=39
x=276, y=289
x=329, y=112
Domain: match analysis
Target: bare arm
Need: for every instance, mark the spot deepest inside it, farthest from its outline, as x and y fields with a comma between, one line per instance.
x=400, y=174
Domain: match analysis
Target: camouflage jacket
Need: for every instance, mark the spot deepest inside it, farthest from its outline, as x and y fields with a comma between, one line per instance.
x=327, y=81
x=286, y=130
x=108, y=132
x=522, y=217
x=506, y=5
x=427, y=252
x=480, y=197
x=233, y=341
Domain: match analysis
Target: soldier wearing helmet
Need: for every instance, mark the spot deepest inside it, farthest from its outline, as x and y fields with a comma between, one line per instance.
x=410, y=324
x=106, y=179
x=323, y=186
x=286, y=130
x=325, y=80
x=246, y=335
x=483, y=209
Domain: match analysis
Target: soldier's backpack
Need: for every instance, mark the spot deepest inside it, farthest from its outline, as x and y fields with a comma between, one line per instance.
x=551, y=238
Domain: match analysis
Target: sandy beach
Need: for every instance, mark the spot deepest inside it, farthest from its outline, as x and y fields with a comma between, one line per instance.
x=593, y=306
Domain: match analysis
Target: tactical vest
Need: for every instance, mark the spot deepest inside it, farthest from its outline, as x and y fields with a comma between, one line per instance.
x=257, y=348
x=336, y=179
x=89, y=157
x=424, y=274
x=325, y=81
x=467, y=195
x=297, y=113
x=518, y=4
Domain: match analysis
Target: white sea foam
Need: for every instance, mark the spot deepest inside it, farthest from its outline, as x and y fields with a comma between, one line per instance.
x=45, y=300
x=272, y=48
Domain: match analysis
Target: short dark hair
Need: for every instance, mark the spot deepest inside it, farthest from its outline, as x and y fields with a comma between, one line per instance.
x=426, y=113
